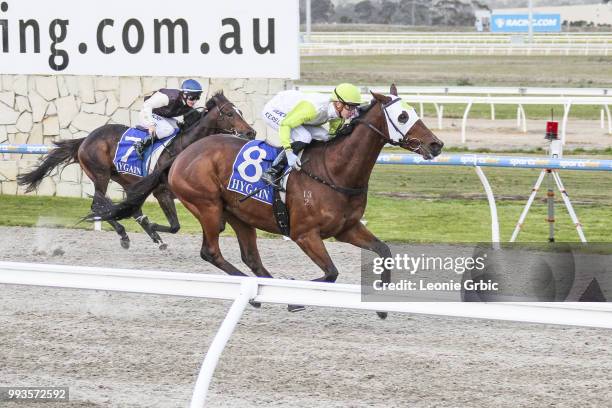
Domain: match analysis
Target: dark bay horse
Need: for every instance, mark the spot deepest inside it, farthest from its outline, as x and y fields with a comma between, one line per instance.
x=327, y=198
x=95, y=154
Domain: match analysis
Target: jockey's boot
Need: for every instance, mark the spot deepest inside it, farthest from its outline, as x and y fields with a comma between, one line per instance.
x=272, y=175
x=142, y=145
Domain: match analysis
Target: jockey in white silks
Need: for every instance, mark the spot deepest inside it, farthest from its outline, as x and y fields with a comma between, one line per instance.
x=299, y=118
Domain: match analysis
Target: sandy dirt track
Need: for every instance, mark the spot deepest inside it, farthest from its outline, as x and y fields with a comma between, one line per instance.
x=128, y=350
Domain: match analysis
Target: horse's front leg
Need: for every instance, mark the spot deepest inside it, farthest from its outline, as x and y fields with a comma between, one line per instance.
x=312, y=244
x=361, y=237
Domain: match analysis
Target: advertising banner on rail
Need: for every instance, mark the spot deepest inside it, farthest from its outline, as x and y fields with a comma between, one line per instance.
x=519, y=23
x=220, y=39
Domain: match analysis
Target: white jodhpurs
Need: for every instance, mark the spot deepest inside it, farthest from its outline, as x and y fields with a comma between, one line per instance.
x=164, y=127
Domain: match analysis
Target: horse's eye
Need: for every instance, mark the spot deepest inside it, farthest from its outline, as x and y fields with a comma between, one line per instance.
x=230, y=114
x=403, y=118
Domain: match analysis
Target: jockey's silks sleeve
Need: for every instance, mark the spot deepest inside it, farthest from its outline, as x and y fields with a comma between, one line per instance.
x=157, y=100
x=302, y=112
x=334, y=125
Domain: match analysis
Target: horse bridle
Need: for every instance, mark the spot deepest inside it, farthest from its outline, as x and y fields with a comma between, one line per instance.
x=402, y=143
x=406, y=144
x=222, y=114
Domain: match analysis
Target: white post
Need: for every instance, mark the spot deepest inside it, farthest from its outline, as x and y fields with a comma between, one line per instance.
x=566, y=111
x=464, y=121
x=524, y=119
x=308, y=22
x=530, y=22
x=439, y=113
x=495, y=237
x=248, y=291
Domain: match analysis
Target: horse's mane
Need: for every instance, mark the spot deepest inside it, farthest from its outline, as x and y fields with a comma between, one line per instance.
x=211, y=102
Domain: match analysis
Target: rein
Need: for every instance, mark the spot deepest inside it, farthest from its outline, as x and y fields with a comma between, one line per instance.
x=352, y=192
x=406, y=144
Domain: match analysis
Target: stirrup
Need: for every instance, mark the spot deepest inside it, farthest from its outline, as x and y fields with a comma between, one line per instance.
x=140, y=147
x=139, y=150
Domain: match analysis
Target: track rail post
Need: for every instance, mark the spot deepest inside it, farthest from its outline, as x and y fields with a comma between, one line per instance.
x=248, y=291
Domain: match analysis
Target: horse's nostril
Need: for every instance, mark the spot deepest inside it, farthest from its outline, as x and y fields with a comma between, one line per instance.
x=436, y=147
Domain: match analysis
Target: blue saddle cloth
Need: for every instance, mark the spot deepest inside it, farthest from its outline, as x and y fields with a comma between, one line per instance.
x=126, y=159
x=251, y=162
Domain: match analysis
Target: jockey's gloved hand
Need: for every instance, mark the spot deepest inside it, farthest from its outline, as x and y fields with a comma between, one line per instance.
x=346, y=129
x=292, y=159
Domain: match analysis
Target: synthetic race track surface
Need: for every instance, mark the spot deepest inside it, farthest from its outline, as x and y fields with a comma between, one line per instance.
x=129, y=350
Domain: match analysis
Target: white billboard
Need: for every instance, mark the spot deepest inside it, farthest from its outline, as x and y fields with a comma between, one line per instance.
x=218, y=39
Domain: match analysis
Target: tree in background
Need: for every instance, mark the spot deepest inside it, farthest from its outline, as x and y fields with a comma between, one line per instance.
x=321, y=11
x=414, y=12
x=388, y=10
x=452, y=13
x=364, y=11
x=401, y=12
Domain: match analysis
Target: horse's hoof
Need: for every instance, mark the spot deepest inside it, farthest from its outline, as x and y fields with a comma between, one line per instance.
x=255, y=304
x=382, y=315
x=125, y=243
x=295, y=308
x=163, y=246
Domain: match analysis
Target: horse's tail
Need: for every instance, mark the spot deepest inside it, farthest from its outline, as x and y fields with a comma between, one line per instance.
x=65, y=153
x=137, y=193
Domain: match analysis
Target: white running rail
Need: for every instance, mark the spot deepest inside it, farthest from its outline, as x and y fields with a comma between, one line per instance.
x=241, y=290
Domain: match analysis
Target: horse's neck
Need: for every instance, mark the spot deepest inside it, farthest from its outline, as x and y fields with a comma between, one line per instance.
x=205, y=126
x=350, y=161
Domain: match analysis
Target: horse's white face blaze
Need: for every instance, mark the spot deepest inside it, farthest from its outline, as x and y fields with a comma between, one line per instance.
x=400, y=117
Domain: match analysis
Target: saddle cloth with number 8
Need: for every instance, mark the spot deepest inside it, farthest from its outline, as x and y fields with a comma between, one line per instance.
x=251, y=162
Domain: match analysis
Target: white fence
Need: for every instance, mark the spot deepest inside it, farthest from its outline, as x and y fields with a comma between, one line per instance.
x=567, y=98
x=355, y=37
x=241, y=290
x=354, y=43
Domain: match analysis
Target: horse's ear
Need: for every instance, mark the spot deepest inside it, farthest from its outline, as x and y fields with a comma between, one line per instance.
x=380, y=97
x=393, y=90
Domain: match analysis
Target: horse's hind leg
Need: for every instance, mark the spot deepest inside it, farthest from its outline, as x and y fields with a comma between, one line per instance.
x=100, y=182
x=247, y=239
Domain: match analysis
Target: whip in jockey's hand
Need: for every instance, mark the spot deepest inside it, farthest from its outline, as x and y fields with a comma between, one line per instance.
x=299, y=118
x=160, y=110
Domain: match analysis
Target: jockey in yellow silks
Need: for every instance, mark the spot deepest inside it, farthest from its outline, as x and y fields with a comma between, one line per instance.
x=299, y=118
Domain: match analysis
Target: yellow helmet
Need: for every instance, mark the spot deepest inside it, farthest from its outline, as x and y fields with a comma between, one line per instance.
x=347, y=93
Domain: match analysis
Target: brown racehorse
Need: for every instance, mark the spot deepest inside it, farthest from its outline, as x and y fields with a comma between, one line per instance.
x=95, y=154
x=327, y=198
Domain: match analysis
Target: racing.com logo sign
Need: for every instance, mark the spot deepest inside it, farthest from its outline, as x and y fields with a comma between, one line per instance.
x=519, y=23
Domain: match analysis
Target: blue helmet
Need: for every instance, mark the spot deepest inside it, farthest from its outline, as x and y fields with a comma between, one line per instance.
x=191, y=86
